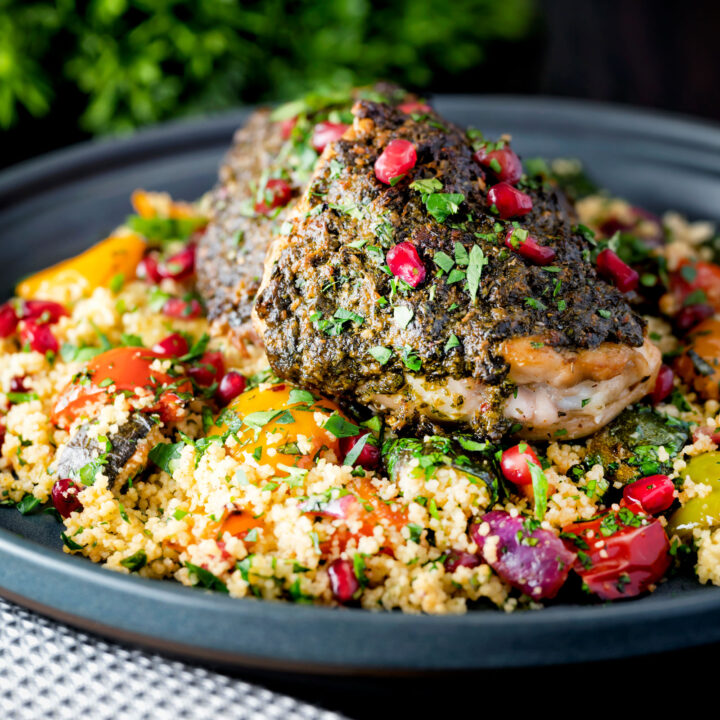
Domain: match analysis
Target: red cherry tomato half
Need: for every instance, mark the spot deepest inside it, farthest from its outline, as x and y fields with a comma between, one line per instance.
x=515, y=464
x=121, y=370
x=620, y=554
x=700, y=279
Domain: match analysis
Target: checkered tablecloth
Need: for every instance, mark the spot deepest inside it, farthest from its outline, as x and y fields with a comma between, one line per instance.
x=51, y=672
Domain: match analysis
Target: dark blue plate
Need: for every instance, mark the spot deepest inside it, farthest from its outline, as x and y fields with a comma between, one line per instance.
x=55, y=206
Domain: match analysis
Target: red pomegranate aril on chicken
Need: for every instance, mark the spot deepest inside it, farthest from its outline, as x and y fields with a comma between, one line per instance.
x=514, y=464
x=232, y=385
x=343, y=582
x=326, y=132
x=277, y=193
x=180, y=266
x=38, y=337
x=8, y=320
x=182, y=309
x=653, y=494
x=172, y=346
x=405, y=263
x=149, y=270
x=398, y=158
x=64, y=495
x=504, y=163
x=287, y=126
x=460, y=558
x=663, y=384
x=509, y=201
x=611, y=267
x=529, y=248
x=208, y=369
x=369, y=456
x=414, y=107
x=688, y=317
x=44, y=311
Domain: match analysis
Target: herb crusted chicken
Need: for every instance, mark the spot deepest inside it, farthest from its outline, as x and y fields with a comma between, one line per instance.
x=412, y=281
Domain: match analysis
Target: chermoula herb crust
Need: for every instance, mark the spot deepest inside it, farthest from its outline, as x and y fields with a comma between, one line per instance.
x=231, y=252
x=336, y=320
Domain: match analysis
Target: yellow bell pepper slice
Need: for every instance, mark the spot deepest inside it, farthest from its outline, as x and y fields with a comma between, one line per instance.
x=93, y=268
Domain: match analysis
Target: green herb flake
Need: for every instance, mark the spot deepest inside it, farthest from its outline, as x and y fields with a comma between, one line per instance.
x=402, y=315
x=381, y=354
x=135, y=561
x=340, y=427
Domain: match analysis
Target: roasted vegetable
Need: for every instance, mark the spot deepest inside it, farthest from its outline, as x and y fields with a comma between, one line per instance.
x=284, y=427
x=121, y=370
x=468, y=457
x=629, y=447
x=96, y=267
x=119, y=457
x=699, y=365
x=699, y=512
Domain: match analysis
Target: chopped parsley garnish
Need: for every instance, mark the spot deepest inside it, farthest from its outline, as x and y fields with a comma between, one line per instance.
x=540, y=488
x=166, y=455
x=442, y=205
x=411, y=359
x=402, y=315
x=381, y=354
x=444, y=261
x=340, y=427
x=477, y=262
x=201, y=577
x=301, y=396
x=452, y=342
x=135, y=562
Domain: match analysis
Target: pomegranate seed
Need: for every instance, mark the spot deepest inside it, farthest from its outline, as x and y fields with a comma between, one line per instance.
x=369, y=456
x=287, y=126
x=504, y=163
x=405, y=263
x=509, y=201
x=611, y=267
x=528, y=247
x=652, y=494
x=38, y=337
x=414, y=107
x=232, y=385
x=64, y=496
x=514, y=464
x=688, y=317
x=17, y=384
x=178, y=308
x=148, y=270
x=459, y=558
x=3, y=430
x=277, y=193
x=398, y=157
x=663, y=384
x=44, y=311
x=208, y=369
x=326, y=132
x=180, y=266
x=8, y=320
x=343, y=582
x=172, y=346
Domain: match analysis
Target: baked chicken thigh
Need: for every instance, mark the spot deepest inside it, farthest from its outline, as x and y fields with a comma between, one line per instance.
x=432, y=297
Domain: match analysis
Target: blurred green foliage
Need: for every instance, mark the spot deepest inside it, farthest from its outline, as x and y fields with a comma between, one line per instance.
x=124, y=63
